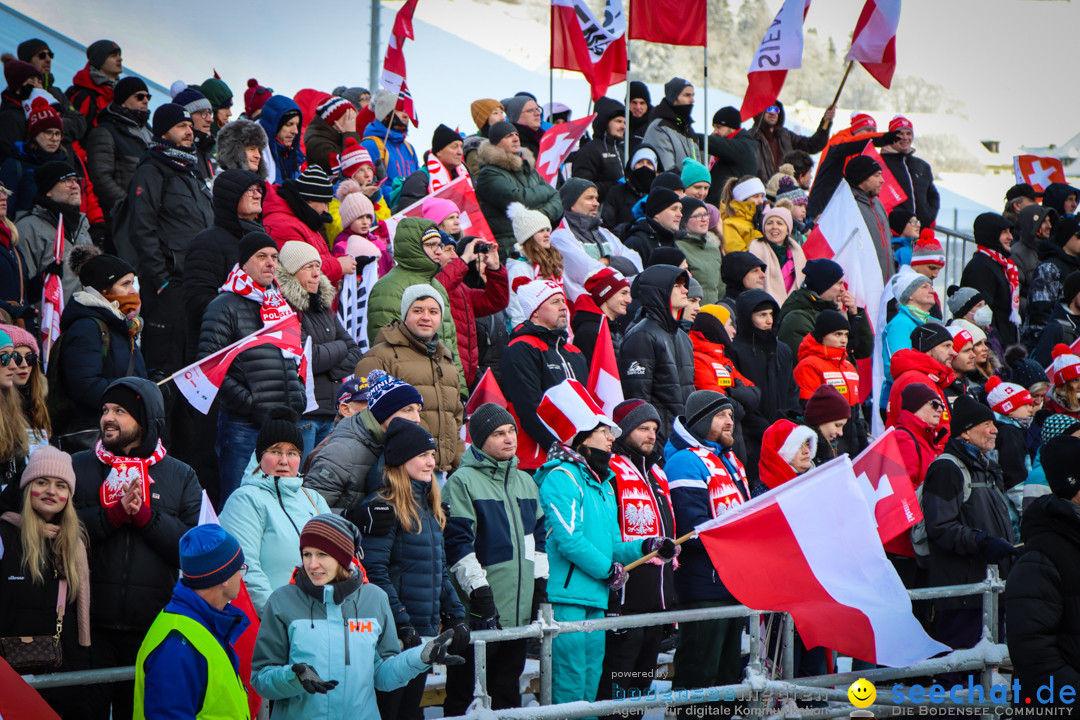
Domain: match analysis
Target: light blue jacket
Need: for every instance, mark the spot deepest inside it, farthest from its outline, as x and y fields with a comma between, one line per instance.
x=897, y=336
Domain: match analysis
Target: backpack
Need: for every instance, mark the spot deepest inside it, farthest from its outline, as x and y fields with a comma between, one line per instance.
x=61, y=407
x=919, y=539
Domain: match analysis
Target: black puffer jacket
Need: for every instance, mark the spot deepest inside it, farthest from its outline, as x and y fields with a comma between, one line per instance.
x=617, y=212
x=1043, y=591
x=646, y=235
x=656, y=360
x=259, y=378
x=917, y=180
x=133, y=570
x=953, y=526
x=601, y=159
x=114, y=149
x=736, y=155
x=983, y=273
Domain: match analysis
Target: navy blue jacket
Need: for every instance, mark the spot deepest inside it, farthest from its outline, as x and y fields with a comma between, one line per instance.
x=287, y=161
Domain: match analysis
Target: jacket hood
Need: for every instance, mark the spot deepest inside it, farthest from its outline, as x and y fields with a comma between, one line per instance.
x=606, y=108
x=153, y=407
x=530, y=328
x=744, y=209
x=229, y=187
x=85, y=78
x=748, y=302
x=1055, y=194
x=760, y=117
x=1051, y=514
x=734, y=268
x=298, y=297
x=409, y=253
x=809, y=347
x=376, y=128
x=234, y=137
x=490, y=154
x=90, y=303
x=908, y=359
x=1050, y=250
x=271, y=484
x=274, y=112
x=653, y=289
x=1029, y=220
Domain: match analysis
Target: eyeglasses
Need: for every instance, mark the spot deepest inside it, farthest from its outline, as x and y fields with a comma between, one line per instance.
x=607, y=432
x=45, y=54
x=243, y=570
x=432, y=245
x=29, y=358
x=914, y=221
x=532, y=111
x=255, y=190
x=204, y=113
x=140, y=96
x=699, y=216
x=937, y=405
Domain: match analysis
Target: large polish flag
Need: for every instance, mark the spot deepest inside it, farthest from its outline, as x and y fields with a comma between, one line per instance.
x=873, y=43
x=810, y=548
x=604, y=382
x=780, y=50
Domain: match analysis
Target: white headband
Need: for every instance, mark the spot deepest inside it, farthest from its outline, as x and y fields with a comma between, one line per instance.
x=748, y=188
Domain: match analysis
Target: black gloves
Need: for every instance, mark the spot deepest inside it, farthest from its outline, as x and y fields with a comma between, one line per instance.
x=664, y=547
x=888, y=138
x=53, y=268
x=618, y=576
x=408, y=636
x=483, y=614
x=995, y=549
x=310, y=680
x=435, y=653
x=459, y=644
x=539, y=596
x=373, y=519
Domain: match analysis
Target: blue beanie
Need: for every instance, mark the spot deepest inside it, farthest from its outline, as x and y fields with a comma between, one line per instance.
x=387, y=395
x=5, y=340
x=821, y=274
x=209, y=556
x=694, y=172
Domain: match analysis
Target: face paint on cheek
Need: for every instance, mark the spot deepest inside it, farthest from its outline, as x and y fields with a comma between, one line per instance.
x=34, y=492
x=62, y=499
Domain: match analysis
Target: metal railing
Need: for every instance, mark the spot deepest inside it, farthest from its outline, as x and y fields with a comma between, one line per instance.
x=959, y=247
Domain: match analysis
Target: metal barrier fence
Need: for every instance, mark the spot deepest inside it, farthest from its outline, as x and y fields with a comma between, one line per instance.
x=984, y=657
x=958, y=247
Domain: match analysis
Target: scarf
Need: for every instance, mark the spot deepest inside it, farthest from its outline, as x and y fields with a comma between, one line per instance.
x=923, y=316
x=639, y=511
x=272, y=304
x=126, y=470
x=179, y=158
x=1013, y=277
x=439, y=175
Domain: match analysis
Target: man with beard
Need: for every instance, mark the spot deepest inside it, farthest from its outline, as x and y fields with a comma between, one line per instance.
x=117, y=145
x=201, y=113
x=135, y=501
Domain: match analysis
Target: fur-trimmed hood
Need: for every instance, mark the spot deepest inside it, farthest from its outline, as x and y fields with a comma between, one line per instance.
x=298, y=297
x=233, y=138
x=491, y=154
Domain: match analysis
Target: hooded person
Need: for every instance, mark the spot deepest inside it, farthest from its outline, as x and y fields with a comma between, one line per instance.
x=1034, y=225
x=136, y=501
x=601, y=159
x=774, y=141
x=241, y=145
x=670, y=128
x=994, y=274
x=741, y=271
x=1059, y=257
x=283, y=123
x=116, y=146
x=640, y=110
x=617, y=211
x=787, y=451
x=1062, y=198
x=386, y=142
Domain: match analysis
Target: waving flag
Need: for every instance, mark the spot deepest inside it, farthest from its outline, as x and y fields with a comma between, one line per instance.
x=1038, y=172
x=52, y=298
x=780, y=50
x=603, y=380
x=556, y=145
x=889, y=492
x=874, y=42
x=405, y=104
x=403, y=26
x=809, y=547
x=891, y=194
x=461, y=193
x=581, y=43
x=393, y=72
x=674, y=22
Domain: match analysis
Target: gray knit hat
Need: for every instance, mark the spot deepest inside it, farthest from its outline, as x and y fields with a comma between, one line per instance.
x=416, y=292
x=632, y=413
x=485, y=420
x=962, y=299
x=701, y=407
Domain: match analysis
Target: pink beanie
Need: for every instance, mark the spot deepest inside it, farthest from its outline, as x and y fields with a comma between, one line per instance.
x=436, y=209
x=354, y=204
x=20, y=337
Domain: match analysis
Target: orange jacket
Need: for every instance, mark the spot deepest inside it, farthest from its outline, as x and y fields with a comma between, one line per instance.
x=819, y=365
x=712, y=370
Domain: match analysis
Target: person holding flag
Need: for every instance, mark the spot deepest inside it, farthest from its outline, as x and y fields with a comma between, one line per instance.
x=775, y=142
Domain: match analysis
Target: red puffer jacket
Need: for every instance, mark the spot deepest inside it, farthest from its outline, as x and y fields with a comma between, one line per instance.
x=712, y=369
x=920, y=443
x=819, y=365
x=283, y=225
x=912, y=366
x=467, y=304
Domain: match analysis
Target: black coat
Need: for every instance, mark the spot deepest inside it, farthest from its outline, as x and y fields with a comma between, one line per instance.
x=133, y=570
x=645, y=236
x=492, y=336
x=982, y=273
x=114, y=149
x=586, y=325
x=1041, y=598
x=917, y=180
x=601, y=159
x=617, y=211
x=14, y=277
x=736, y=155
x=259, y=378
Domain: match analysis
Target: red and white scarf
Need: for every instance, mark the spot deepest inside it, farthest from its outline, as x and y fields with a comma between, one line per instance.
x=126, y=470
x=1014, y=280
x=273, y=304
x=439, y=176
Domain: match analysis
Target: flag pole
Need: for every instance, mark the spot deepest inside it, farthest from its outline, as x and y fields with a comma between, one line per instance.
x=705, y=103
x=843, y=80
x=626, y=132
x=646, y=558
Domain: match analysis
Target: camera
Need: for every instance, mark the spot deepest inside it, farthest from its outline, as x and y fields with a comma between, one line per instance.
x=483, y=247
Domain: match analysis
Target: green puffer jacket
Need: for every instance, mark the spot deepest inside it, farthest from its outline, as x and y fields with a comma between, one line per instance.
x=703, y=256
x=495, y=534
x=505, y=178
x=584, y=538
x=800, y=310
x=412, y=266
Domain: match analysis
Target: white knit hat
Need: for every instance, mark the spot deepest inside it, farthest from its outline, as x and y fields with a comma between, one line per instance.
x=795, y=439
x=526, y=222
x=1004, y=397
x=747, y=189
x=534, y=294
x=295, y=255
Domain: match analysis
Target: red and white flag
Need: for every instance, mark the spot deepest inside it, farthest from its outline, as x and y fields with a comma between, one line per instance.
x=581, y=43
x=874, y=42
x=1038, y=172
x=781, y=50
x=52, y=298
x=841, y=235
x=461, y=193
x=557, y=143
x=200, y=381
x=891, y=194
x=569, y=408
x=393, y=72
x=673, y=22
x=603, y=380
x=809, y=548
x=405, y=104
x=889, y=492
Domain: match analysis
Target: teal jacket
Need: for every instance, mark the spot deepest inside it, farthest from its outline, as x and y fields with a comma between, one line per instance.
x=584, y=538
x=265, y=515
x=345, y=631
x=897, y=336
x=495, y=534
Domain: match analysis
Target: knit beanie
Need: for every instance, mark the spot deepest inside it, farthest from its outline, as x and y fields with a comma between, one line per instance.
x=217, y=92
x=826, y=404
x=747, y=189
x=48, y=462
x=20, y=337
x=603, y=283
x=128, y=86
x=862, y=121
x=572, y=190
x=255, y=97
x=631, y=414
x=1027, y=373
x=727, y=117
x=353, y=157
x=669, y=180
x=209, y=556
x=387, y=395
x=252, y=243
x=915, y=395
x=720, y=312
x=829, y=321
x=354, y=203
x=513, y=106
x=442, y=137
x=1070, y=287
x=898, y=122
x=52, y=172
x=781, y=212
x=437, y=209
x=481, y=110
x=5, y=340
x=911, y=283
x=192, y=101
x=486, y=420
x=659, y=200
x=42, y=117
x=333, y=109
x=927, y=250
x=280, y=426
x=315, y=185
x=500, y=130
x=1058, y=458
x=701, y=407
x=101, y=272
x=694, y=172
x=166, y=117
x=17, y=72
x=899, y=219
x=404, y=441
x=98, y=52
x=976, y=332
x=859, y=168
x=665, y=255
x=926, y=337
x=418, y=292
x=27, y=49
x=334, y=535
x=960, y=337
x=1065, y=365
x=383, y=103
x=1058, y=424
x=673, y=88
x=962, y=299
x=690, y=205
x=534, y=294
x=1064, y=230
x=694, y=290
x=1004, y=397
x=788, y=189
x=821, y=274
x=295, y=254
x=640, y=91
x=122, y=394
x=967, y=412
x=526, y=222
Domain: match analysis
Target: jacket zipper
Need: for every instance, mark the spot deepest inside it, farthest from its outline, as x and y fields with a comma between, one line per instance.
x=569, y=573
x=516, y=518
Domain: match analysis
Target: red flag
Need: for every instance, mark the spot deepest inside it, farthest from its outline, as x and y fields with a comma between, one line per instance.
x=557, y=144
x=393, y=72
x=781, y=50
x=604, y=382
x=889, y=492
x=1038, y=172
x=461, y=193
x=19, y=701
x=675, y=22
x=403, y=27
x=874, y=42
x=809, y=548
x=405, y=103
x=52, y=298
x=581, y=43
x=891, y=193
x=486, y=391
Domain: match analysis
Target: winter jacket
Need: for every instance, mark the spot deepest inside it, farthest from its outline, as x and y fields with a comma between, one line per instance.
x=133, y=569
x=819, y=365
x=983, y=273
x=916, y=179
x=774, y=272
x=468, y=304
x=896, y=337
x=259, y=378
x=416, y=185
x=672, y=135
x=656, y=361
x=1024, y=250
x=799, y=313
x=703, y=259
x=1063, y=327
x=282, y=163
x=287, y=216
x=12, y=123
x=1011, y=451
x=537, y=359
x=645, y=235
x=736, y=156
x=37, y=233
x=601, y=159
x=700, y=491
x=504, y=178
x=114, y=150
x=15, y=291
x=713, y=370
x=339, y=469
x=167, y=206
x=877, y=224
x=583, y=536
x=911, y=366
x=1046, y=289
x=321, y=139
x=433, y=373
x=265, y=514
x=776, y=142
x=496, y=533
x=345, y=632
x=585, y=246
x=90, y=93
x=86, y=367
x=739, y=228
x=919, y=443
x=953, y=525
x=617, y=210
x=586, y=326
x=411, y=568
x=1044, y=637
x=492, y=337
x=393, y=155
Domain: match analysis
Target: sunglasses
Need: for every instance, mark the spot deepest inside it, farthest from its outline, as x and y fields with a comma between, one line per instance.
x=142, y=96
x=937, y=405
x=45, y=54
x=28, y=359
x=5, y=359
x=773, y=109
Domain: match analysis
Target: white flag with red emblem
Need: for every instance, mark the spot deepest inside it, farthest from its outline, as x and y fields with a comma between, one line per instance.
x=874, y=42
x=603, y=380
x=1038, y=172
x=582, y=43
x=781, y=50
x=393, y=72
x=557, y=144
x=52, y=299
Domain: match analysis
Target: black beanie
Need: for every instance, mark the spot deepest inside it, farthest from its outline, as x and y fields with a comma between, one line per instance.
x=572, y=190
x=926, y=337
x=829, y=321
x=51, y=173
x=665, y=255
x=640, y=91
x=442, y=137
x=102, y=271
x=1070, y=287
x=701, y=407
x=673, y=88
x=659, y=200
x=279, y=426
x=29, y=48
x=98, y=52
x=1064, y=230
x=128, y=398
x=168, y=116
x=859, y=168
x=899, y=219
x=690, y=205
x=821, y=274
x=252, y=243
x=128, y=86
x=727, y=117
x=498, y=132
x=967, y=412
x=486, y=420
x=1059, y=463
x=671, y=181
x=404, y=441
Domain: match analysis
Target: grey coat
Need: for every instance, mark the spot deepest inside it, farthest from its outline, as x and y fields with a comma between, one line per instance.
x=340, y=467
x=877, y=223
x=37, y=232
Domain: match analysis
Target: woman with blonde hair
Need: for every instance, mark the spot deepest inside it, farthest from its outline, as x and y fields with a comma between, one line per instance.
x=14, y=275
x=14, y=432
x=537, y=257
x=740, y=201
x=409, y=561
x=30, y=381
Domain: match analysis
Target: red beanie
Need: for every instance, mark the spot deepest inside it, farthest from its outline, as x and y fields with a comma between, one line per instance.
x=42, y=117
